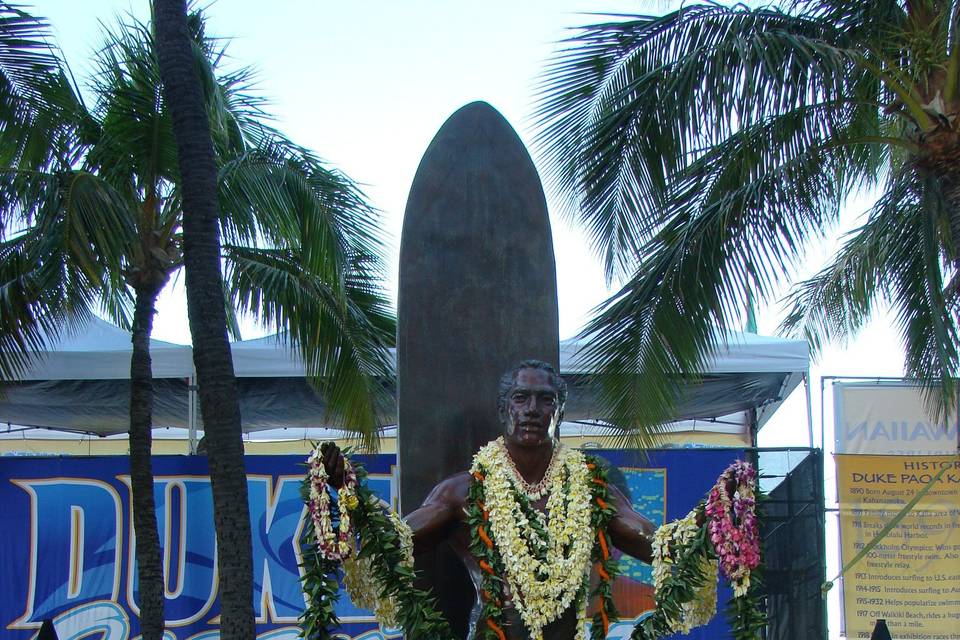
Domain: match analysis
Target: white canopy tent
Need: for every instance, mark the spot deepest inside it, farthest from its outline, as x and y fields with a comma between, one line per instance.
x=749, y=372
x=81, y=385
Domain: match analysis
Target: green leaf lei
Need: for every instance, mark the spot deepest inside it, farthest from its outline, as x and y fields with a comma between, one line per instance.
x=380, y=541
x=686, y=578
x=747, y=618
x=319, y=581
x=607, y=566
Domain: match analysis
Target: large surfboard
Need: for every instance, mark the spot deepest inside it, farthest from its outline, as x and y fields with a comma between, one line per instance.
x=477, y=294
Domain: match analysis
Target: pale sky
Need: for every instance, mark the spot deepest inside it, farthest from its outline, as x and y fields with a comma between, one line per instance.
x=366, y=84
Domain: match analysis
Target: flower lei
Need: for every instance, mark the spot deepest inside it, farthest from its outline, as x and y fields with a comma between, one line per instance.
x=735, y=533
x=380, y=578
x=667, y=542
x=365, y=589
x=733, y=526
x=685, y=562
x=334, y=543
x=542, y=560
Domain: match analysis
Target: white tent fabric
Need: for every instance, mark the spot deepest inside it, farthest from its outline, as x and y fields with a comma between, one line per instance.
x=98, y=350
x=742, y=353
x=81, y=384
x=748, y=372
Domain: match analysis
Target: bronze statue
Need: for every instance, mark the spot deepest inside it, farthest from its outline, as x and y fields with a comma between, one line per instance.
x=531, y=402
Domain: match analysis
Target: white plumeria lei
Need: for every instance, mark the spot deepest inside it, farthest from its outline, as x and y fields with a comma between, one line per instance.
x=582, y=617
x=332, y=545
x=702, y=608
x=567, y=527
x=362, y=585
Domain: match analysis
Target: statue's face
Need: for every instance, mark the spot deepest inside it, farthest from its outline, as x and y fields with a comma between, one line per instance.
x=533, y=409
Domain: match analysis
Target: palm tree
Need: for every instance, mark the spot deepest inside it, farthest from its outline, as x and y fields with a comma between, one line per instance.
x=95, y=214
x=219, y=401
x=706, y=147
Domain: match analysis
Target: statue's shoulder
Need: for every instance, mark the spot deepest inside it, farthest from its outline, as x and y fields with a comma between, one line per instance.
x=453, y=489
x=457, y=479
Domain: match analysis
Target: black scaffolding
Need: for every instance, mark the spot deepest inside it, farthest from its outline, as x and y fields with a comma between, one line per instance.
x=793, y=542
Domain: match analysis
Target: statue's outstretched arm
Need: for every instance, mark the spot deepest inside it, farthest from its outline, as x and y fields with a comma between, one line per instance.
x=630, y=531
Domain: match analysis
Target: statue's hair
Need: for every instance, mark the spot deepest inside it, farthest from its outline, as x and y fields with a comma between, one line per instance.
x=508, y=378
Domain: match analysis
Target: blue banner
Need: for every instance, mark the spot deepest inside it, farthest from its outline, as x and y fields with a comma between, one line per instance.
x=68, y=541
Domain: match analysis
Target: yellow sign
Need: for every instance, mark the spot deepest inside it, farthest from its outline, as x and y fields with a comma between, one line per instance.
x=912, y=577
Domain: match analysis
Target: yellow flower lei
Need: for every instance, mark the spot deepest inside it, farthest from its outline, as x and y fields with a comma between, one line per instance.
x=542, y=587
x=362, y=585
x=703, y=606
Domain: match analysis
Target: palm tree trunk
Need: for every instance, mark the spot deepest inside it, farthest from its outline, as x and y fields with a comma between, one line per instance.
x=948, y=175
x=950, y=188
x=211, y=350
x=149, y=567
x=939, y=161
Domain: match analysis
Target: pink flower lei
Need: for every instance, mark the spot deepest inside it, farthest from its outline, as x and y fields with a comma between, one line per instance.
x=733, y=526
x=333, y=543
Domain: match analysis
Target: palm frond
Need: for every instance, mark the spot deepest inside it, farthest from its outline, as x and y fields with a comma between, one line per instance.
x=104, y=202
x=135, y=151
x=739, y=218
x=924, y=317
x=73, y=239
x=40, y=290
x=23, y=330
x=41, y=114
x=342, y=333
x=27, y=58
x=280, y=195
x=73, y=212
x=628, y=106
x=838, y=301
x=704, y=148
x=895, y=258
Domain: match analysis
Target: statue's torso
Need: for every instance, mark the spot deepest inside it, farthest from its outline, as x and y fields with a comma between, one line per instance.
x=563, y=628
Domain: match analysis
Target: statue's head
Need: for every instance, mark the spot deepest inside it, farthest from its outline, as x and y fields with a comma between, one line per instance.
x=530, y=402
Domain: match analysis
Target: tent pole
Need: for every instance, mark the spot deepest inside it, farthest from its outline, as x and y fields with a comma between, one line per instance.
x=806, y=388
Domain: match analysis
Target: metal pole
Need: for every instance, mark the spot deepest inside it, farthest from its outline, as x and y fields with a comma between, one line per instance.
x=819, y=491
x=823, y=431
x=192, y=414
x=806, y=389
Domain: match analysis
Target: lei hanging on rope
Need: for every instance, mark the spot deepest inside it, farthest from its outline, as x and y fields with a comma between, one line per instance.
x=540, y=561
x=735, y=535
x=733, y=526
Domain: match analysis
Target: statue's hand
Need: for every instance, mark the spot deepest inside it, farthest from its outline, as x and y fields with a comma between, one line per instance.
x=730, y=487
x=333, y=463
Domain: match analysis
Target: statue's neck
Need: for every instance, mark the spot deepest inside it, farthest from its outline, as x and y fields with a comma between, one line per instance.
x=531, y=462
